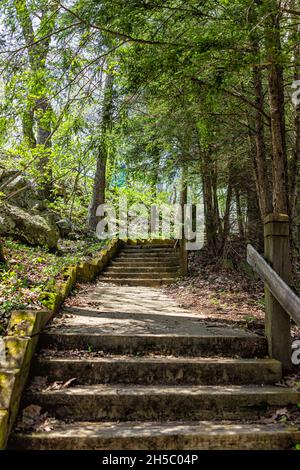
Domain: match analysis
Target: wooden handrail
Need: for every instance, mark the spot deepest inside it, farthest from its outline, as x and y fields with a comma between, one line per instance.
x=289, y=301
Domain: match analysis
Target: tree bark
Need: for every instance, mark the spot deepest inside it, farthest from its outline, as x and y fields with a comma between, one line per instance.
x=226, y=219
x=28, y=128
x=294, y=171
x=183, y=201
x=239, y=214
x=259, y=156
x=99, y=187
x=2, y=257
x=211, y=210
x=276, y=100
x=40, y=112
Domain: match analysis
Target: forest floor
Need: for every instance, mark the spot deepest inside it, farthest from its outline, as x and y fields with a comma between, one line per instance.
x=226, y=292
x=30, y=270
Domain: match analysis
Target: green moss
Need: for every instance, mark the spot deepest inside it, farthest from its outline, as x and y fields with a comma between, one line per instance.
x=3, y=428
x=22, y=323
x=7, y=383
x=51, y=300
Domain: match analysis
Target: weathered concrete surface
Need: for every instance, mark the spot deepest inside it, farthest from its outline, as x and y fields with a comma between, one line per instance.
x=141, y=344
x=160, y=398
x=127, y=320
x=163, y=436
x=155, y=370
x=138, y=403
x=141, y=256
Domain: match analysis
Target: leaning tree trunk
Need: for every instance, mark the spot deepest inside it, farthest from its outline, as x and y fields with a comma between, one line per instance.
x=99, y=186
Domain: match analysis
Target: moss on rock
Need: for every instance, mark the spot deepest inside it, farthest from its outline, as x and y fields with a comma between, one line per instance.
x=51, y=300
x=3, y=427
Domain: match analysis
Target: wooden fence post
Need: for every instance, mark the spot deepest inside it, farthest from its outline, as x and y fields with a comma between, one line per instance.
x=183, y=254
x=277, y=253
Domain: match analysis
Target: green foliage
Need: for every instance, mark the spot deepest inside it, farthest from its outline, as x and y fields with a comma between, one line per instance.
x=32, y=270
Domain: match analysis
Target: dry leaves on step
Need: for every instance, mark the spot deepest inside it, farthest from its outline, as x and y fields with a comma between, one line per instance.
x=59, y=385
x=38, y=383
x=32, y=419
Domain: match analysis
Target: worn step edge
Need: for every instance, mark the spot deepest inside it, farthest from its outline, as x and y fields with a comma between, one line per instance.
x=141, y=370
x=229, y=345
x=137, y=282
x=160, y=436
x=103, y=402
x=146, y=262
x=138, y=275
x=142, y=269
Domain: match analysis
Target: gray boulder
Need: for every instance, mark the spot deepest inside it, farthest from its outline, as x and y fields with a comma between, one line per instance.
x=20, y=190
x=34, y=229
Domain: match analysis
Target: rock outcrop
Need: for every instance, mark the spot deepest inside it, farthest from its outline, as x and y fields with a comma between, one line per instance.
x=23, y=212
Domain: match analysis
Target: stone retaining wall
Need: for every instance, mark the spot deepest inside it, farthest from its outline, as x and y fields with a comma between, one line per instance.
x=23, y=331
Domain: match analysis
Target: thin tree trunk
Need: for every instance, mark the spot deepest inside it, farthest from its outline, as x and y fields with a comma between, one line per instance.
x=2, y=257
x=211, y=227
x=276, y=99
x=239, y=214
x=27, y=127
x=294, y=173
x=98, y=197
x=259, y=156
x=226, y=219
x=254, y=230
x=41, y=111
x=183, y=202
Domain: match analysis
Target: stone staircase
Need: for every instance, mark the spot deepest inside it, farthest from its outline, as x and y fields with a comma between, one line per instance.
x=144, y=265
x=150, y=375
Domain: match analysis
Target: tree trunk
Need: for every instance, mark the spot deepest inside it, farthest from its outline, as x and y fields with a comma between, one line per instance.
x=98, y=197
x=239, y=214
x=40, y=113
x=211, y=212
x=254, y=230
x=294, y=171
x=183, y=201
x=259, y=156
x=276, y=99
x=2, y=257
x=226, y=219
x=28, y=128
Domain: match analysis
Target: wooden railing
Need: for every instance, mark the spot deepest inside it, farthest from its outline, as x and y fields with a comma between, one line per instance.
x=281, y=303
x=281, y=291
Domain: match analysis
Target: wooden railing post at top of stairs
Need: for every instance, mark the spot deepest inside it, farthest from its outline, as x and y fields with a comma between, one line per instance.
x=180, y=247
x=281, y=303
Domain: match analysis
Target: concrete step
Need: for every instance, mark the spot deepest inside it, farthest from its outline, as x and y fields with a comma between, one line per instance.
x=144, y=262
x=142, y=269
x=149, y=256
x=109, y=274
x=226, y=343
x=161, y=403
x=161, y=370
x=149, y=250
x=160, y=436
x=137, y=282
x=149, y=247
x=151, y=243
